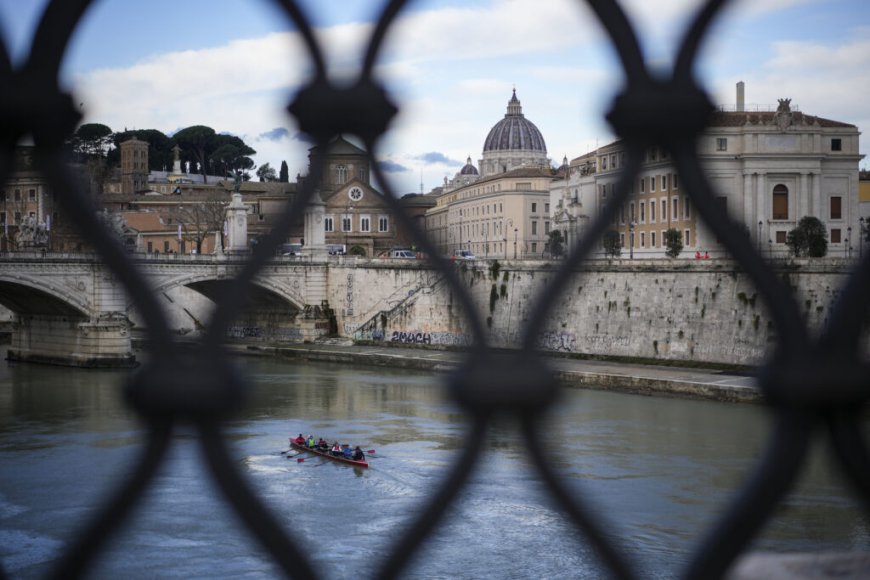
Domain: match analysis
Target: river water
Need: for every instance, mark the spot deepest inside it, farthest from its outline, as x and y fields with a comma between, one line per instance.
x=658, y=469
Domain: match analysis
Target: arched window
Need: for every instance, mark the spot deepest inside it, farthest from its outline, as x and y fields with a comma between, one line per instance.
x=780, y=202
x=341, y=173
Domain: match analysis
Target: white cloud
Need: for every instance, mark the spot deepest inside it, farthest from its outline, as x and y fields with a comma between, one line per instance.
x=498, y=29
x=451, y=71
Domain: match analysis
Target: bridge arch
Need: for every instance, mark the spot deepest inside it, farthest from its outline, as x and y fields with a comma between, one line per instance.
x=25, y=295
x=209, y=284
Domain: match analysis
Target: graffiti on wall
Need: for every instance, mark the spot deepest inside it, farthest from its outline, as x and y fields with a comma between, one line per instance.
x=607, y=341
x=435, y=338
x=365, y=334
x=557, y=341
x=411, y=337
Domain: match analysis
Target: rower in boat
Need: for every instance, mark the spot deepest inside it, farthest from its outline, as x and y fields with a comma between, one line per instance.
x=343, y=453
x=300, y=440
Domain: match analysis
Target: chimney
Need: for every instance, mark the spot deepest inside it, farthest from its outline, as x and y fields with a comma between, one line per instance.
x=740, y=86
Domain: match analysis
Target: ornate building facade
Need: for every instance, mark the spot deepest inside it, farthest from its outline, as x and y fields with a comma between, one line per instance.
x=768, y=169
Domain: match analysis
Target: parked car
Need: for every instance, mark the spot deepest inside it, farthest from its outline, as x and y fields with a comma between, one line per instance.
x=463, y=255
x=290, y=250
x=403, y=254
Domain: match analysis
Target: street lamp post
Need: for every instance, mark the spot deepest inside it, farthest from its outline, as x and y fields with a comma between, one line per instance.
x=631, y=227
x=760, y=225
x=515, y=243
x=861, y=239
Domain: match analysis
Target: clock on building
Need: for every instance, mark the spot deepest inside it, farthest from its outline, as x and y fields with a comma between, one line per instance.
x=355, y=193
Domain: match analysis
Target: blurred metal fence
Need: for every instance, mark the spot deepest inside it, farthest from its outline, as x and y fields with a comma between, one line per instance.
x=813, y=385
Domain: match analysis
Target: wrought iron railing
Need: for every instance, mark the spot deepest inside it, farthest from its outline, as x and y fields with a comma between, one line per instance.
x=809, y=383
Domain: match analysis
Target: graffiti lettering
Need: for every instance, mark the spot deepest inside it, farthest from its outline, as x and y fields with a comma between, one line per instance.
x=412, y=337
x=557, y=341
x=603, y=340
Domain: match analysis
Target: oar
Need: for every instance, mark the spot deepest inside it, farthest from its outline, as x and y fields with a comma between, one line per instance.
x=370, y=451
x=300, y=459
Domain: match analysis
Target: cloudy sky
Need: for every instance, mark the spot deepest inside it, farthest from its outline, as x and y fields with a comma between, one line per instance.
x=450, y=65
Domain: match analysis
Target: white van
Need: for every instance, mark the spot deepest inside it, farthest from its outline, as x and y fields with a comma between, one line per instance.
x=463, y=255
x=404, y=254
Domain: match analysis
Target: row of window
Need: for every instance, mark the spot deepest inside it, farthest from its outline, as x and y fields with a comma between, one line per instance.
x=659, y=182
x=16, y=217
x=365, y=223
x=780, y=204
x=836, y=236
x=617, y=160
x=722, y=144
x=341, y=173
x=640, y=239
x=17, y=196
x=481, y=210
x=642, y=217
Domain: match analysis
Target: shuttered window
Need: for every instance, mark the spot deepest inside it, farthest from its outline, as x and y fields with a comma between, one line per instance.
x=836, y=207
x=780, y=202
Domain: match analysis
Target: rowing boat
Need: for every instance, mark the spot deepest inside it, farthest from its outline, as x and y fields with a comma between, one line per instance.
x=328, y=455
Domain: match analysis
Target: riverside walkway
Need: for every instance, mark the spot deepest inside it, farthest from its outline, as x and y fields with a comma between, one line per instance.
x=631, y=377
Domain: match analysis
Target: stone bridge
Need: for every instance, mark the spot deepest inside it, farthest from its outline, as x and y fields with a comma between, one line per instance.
x=69, y=308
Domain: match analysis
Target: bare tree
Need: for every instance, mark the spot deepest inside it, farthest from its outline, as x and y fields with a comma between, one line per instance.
x=200, y=219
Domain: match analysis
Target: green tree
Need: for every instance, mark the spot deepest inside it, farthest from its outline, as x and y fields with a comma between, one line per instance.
x=284, y=175
x=611, y=244
x=673, y=242
x=809, y=238
x=230, y=154
x=90, y=140
x=266, y=173
x=197, y=143
x=556, y=244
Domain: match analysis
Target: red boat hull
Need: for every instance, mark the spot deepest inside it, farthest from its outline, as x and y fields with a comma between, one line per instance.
x=327, y=455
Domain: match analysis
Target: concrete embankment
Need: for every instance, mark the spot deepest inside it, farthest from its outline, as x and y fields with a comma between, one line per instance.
x=629, y=377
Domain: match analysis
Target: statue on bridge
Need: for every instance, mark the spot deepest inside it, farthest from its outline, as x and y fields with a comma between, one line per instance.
x=32, y=234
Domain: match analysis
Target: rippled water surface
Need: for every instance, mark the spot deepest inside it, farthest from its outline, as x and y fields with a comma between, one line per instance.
x=658, y=470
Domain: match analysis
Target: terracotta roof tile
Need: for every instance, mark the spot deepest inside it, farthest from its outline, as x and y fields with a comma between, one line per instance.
x=145, y=221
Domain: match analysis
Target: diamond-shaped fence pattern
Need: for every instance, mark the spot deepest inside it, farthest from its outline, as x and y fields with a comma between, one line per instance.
x=814, y=385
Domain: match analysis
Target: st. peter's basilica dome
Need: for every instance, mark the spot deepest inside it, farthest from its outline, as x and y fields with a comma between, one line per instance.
x=514, y=132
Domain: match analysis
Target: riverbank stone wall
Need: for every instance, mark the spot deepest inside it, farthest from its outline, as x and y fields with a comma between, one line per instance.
x=686, y=311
